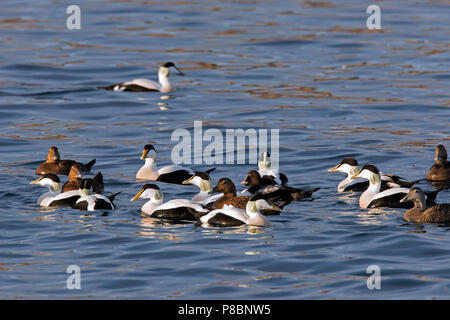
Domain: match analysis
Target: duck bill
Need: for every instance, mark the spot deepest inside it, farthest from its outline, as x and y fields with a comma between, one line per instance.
x=334, y=169
x=144, y=154
x=356, y=176
x=245, y=182
x=188, y=181
x=405, y=198
x=178, y=71
x=36, y=181
x=137, y=196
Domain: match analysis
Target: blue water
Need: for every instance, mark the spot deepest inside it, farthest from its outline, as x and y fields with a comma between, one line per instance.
x=310, y=69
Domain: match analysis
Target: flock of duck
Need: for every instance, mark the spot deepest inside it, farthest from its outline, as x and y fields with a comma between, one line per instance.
x=267, y=191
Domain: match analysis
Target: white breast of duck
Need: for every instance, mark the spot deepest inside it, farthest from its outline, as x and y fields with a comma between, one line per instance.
x=203, y=182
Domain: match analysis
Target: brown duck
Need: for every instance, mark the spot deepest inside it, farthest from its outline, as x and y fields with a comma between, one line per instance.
x=75, y=178
x=55, y=165
x=227, y=187
x=440, y=170
x=420, y=213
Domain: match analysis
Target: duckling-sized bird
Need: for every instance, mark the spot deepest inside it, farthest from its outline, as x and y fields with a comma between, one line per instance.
x=54, y=164
x=440, y=170
x=373, y=197
x=230, y=216
x=177, y=209
x=75, y=177
x=421, y=213
x=350, y=167
x=54, y=197
x=265, y=169
x=203, y=181
x=227, y=187
x=143, y=85
x=93, y=201
x=171, y=174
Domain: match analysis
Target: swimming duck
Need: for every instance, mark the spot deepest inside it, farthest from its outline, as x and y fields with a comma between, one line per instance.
x=350, y=167
x=142, y=85
x=75, y=178
x=170, y=174
x=440, y=170
x=203, y=181
x=91, y=201
x=421, y=213
x=231, y=216
x=54, y=197
x=55, y=165
x=267, y=185
x=373, y=197
x=177, y=209
x=227, y=187
x=265, y=169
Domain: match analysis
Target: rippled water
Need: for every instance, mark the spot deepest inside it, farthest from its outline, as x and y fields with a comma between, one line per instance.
x=308, y=68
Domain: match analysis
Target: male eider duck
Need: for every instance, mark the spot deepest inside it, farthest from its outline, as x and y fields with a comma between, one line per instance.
x=373, y=197
x=91, y=201
x=54, y=197
x=170, y=174
x=421, y=213
x=143, y=85
x=440, y=171
x=75, y=177
x=227, y=187
x=55, y=165
x=265, y=169
x=203, y=181
x=230, y=216
x=177, y=209
x=350, y=167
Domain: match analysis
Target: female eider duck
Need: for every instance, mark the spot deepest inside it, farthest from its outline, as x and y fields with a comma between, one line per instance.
x=230, y=216
x=267, y=185
x=203, y=181
x=373, y=197
x=75, y=177
x=143, y=85
x=265, y=169
x=440, y=170
x=170, y=174
x=350, y=167
x=177, y=209
x=55, y=165
x=91, y=201
x=227, y=187
x=54, y=197
x=421, y=213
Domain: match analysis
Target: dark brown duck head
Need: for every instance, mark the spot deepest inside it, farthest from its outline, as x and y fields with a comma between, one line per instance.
x=53, y=154
x=253, y=178
x=440, y=154
x=75, y=172
x=225, y=186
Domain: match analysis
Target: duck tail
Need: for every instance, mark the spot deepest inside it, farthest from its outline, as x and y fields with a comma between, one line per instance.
x=98, y=178
x=113, y=196
x=210, y=170
x=87, y=167
x=110, y=88
x=284, y=179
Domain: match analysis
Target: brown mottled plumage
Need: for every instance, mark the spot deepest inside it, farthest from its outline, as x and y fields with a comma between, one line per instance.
x=75, y=178
x=53, y=164
x=420, y=214
x=440, y=170
x=227, y=187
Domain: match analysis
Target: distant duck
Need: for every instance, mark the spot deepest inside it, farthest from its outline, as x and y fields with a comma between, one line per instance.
x=373, y=197
x=75, y=177
x=231, y=216
x=267, y=185
x=91, y=201
x=55, y=165
x=421, y=213
x=265, y=169
x=350, y=167
x=203, y=181
x=227, y=187
x=440, y=170
x=143, y=85
x=177, y=209
x=54, y=197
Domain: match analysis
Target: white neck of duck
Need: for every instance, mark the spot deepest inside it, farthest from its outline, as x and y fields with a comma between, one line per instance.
x=164, y=82
x=151, y=205
x=373, y=189
x=348, y=180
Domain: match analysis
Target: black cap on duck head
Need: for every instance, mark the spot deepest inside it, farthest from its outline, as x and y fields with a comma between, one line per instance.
x=202, y=175
x=149, y=147
x=52, y=177
x=150, y=186
x=171, y=64
x=350, y=161
x=225, y=186
x=371, y=168
x=440, y=153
